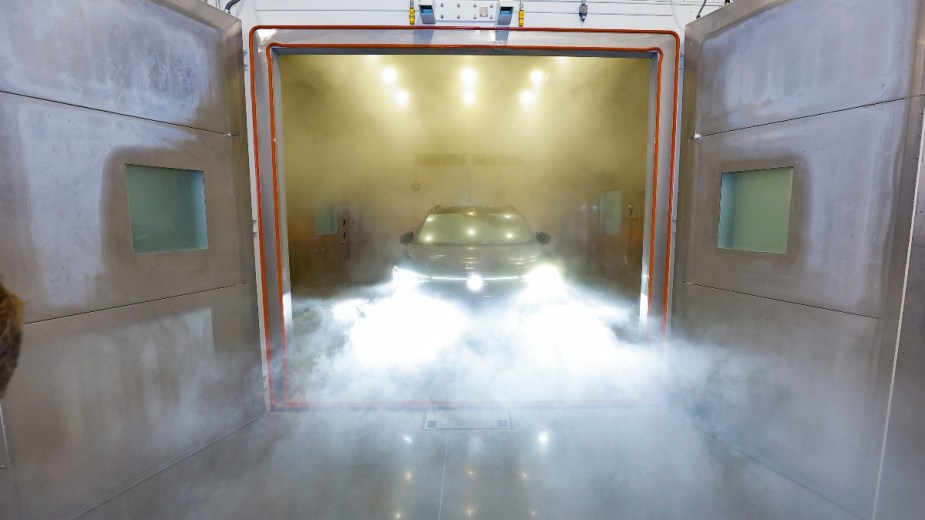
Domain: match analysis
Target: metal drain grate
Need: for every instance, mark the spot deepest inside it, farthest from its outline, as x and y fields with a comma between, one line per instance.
x=467, y=420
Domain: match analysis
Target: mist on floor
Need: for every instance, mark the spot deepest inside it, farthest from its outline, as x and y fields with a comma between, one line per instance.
x=381, y=343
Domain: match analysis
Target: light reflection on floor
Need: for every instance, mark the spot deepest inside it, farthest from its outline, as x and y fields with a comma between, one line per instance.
x=378, y=344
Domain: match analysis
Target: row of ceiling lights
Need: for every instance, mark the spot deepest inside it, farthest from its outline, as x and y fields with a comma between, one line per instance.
x=469, y=78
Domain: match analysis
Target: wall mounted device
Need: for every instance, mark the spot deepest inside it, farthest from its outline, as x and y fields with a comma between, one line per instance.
x=487, y=12
x=427, y=13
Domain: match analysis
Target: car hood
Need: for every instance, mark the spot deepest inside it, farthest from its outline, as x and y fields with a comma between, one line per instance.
x=493, y=260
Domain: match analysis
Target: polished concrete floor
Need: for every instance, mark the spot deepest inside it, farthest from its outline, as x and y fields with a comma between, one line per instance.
x=593, y=463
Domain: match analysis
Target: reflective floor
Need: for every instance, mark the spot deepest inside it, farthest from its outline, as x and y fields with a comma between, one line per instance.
x=590, y=463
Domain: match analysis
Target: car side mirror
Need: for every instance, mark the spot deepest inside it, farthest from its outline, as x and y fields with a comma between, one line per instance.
x=543, y=238
x=407, y=238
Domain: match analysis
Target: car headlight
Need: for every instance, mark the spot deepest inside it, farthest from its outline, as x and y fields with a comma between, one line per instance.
x=407, y=278
x=475, y=283
x=544, y=276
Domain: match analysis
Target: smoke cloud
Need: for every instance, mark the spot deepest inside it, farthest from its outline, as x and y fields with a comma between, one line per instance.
x=379, y=344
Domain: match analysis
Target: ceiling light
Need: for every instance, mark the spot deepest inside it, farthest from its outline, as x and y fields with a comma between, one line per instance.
x=402, y=97
x=468, y=76
x=527, y=97
x=469, y=97
x=389, y=75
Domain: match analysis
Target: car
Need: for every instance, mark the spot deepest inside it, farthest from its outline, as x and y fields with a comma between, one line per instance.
x=475, y=250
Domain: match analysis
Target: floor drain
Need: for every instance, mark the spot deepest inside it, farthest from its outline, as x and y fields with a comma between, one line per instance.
x=491, y=419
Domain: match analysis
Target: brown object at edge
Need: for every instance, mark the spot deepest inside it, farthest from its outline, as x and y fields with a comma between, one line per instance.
x=10, y=335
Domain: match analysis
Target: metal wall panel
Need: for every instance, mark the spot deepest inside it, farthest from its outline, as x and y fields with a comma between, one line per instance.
x=832, y=89
x=803, y=47
x=842, y=211
x=9, y=508
x=145, y=59
x=129, y=361
x=64, y=206
x=104, y=398
x=789, y=384
x=902, y=487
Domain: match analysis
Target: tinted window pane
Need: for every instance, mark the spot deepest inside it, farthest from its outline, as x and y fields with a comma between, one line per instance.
x=755, y=210
x=167, y=208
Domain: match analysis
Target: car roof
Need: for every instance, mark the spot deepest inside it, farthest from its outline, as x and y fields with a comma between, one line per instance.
x=478, y=209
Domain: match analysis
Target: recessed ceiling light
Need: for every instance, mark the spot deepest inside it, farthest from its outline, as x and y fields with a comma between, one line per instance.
x=389, y=75
x=468, y=76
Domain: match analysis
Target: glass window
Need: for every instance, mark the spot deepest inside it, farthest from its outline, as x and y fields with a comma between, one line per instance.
x=754, y=210
x=610, y=210
x=167, y=208
x=325, y=221
x=474, y=225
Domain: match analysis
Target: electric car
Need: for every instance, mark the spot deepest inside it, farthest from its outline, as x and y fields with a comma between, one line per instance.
x=475, y=250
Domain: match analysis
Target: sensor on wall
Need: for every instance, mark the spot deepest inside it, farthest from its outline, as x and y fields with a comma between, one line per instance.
x=479, y=12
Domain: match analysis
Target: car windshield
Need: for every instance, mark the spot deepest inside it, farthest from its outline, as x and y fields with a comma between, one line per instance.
x=475, y=226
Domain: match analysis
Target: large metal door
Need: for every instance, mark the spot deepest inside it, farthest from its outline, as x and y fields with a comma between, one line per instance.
x=799, y=152
x=131, y=359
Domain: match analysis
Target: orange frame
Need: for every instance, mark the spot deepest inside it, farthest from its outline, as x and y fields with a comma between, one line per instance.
x=285, y=402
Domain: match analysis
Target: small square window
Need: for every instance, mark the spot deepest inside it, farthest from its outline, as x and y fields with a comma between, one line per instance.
x=754, y=212
x=611, y=209
x=167, y=208
x=325, y=221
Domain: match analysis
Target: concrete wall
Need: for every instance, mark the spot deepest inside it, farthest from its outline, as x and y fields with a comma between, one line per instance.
x=130, y=361
x=350, y=145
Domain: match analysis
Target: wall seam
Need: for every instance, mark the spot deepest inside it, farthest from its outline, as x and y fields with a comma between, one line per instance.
x=783, y=301
x=829, y=112
x=76, y=314
x=162, y=467
x=112, y=112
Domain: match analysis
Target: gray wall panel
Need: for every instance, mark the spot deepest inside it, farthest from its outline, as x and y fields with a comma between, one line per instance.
x=902, y=488
x=796, y=350
x=102, y=399
x=8, y=505
x=130, y=361
x=791, y=385
x=67, y=245
x=847, y=168
x=137, y=58
x=803, y=47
